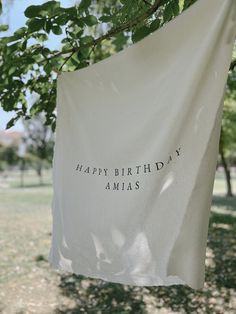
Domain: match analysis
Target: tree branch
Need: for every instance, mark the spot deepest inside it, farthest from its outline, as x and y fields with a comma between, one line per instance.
x=232, y=65
x=111, y=32
x=146, y=2
x=67, y=59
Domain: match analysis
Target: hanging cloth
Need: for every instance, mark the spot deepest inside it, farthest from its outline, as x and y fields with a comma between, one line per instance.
x=135, y=154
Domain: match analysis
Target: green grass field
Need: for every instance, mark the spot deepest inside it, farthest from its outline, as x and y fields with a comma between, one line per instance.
x=29, y=285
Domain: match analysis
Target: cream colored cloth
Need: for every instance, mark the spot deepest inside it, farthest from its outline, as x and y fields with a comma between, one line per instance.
x=136, y=147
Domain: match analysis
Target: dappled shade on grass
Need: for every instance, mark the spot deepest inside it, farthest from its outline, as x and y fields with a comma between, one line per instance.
x=218, y=296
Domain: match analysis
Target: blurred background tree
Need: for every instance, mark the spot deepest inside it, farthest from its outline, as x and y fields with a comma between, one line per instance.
x=227, y=147
x=8, y=156
x=39, y=140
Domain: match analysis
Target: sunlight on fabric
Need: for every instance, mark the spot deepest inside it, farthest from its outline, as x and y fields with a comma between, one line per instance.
x=117, y=237
x=100, y=251
x=168, y=181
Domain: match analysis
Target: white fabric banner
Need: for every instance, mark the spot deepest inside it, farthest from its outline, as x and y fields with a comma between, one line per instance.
x=135, y=155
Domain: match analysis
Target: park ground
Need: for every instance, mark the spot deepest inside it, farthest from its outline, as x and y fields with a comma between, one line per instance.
x=29, y=285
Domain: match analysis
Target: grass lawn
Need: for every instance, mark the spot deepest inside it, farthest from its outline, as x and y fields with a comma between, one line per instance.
x=28, y=285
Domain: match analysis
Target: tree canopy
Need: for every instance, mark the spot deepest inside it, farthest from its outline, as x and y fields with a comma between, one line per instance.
x=89, y=32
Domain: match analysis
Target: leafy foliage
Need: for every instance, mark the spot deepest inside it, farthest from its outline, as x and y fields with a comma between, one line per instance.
x=228, y=125
x=39, y=141
x=8, y=156
x=89, y=32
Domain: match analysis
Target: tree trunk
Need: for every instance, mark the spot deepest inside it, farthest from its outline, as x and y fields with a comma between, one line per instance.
x=22, y=170
x=227, y=174
x=39, y=172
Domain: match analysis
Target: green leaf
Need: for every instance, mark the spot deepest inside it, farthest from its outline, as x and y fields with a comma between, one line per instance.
x=35, y=24
x=175, y=7
x=105, y=18
x=24, y=45
x=74, y=61
x=188, y=3
x=12, y=122
x=154, y=25
x=48, y=26
x=140, y=33
x=120, y=41
x=66, y=47
x=80, y=22
x=30, y=60
x=51, y=6
x=11, y=70
x=40, y=37
x=48, y=68
x=84, y=5
x=4, y=27
x=83, y=64
x=168, y=13
x=20, y=32
x=86, y=40
x=65, y=40
x=56, y=30
x=13, y=47
x=61, y=20
x=90, y=20
x=33, y=11
x=45, y=50
x=84, y=52
x=79, y=33
x=53, y=125
x=72, y=11
x=35, y=108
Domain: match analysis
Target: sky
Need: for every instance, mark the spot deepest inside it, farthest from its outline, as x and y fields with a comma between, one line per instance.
x=13, y=15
